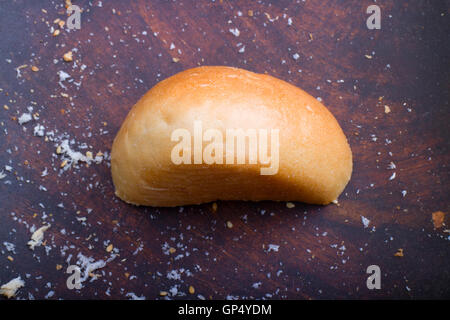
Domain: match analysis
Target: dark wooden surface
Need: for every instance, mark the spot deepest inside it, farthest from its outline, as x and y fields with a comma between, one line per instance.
x=323, y=251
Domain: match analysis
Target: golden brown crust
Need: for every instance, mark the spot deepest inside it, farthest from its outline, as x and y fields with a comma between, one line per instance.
x=315, y=160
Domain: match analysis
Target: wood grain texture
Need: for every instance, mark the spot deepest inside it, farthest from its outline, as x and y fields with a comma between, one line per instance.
x=124, y=48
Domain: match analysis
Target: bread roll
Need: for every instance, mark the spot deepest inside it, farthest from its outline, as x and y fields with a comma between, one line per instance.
x=197, y=108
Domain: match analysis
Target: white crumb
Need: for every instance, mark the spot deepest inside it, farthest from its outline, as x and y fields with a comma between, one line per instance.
x=133, y=296
x=63, y=76
x=24, y=118
x=235, y=32
x=39, y=130
x=365, y=221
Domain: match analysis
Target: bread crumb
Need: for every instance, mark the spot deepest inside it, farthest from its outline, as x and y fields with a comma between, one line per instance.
x=387, y=109
x=18, y=70
x=191, y=290
x=399, y=253
x=34, y=69
x=272, y=19
x=214, y=207
x=172, y=250
x=68, y=56
x=163, y=293
x=10, y=258
x=9, y=289
x=175, y=59
x=56, y=33
x=109, y=248
x=438, y=219
x=250, y=13
x=290, y=205
x=37, y=237
x=58, y=267
x=229, y=224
